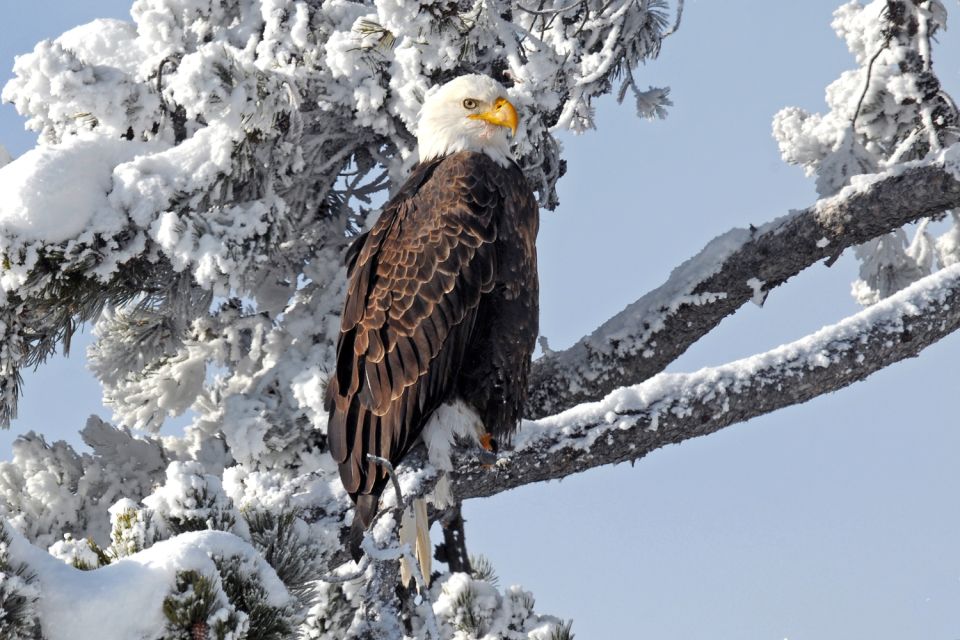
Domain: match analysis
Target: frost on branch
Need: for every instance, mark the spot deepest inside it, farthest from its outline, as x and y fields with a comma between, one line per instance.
x=220, y=155
x=191, y=500
x=468, y=607
x=81, y=554
x=890, y=110
x=463, y=606
x=49, y=490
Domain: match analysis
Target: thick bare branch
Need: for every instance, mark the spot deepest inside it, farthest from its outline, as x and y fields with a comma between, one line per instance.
x=741, y=265
x=671, y=408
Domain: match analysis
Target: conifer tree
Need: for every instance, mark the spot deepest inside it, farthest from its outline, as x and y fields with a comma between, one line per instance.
x=214, y=159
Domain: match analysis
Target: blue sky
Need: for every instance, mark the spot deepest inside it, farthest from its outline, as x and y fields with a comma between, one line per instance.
x=833, y=520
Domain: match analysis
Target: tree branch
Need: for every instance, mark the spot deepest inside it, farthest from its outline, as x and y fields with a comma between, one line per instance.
x=734, y=268
x=671, y=408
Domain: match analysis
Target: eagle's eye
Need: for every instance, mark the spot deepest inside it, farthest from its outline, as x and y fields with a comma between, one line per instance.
x=470, y=104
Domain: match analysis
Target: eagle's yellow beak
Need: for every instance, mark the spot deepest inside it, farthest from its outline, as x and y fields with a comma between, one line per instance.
x=502, y=114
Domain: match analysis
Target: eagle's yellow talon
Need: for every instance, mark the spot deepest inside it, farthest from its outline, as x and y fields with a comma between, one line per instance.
x=486, y=441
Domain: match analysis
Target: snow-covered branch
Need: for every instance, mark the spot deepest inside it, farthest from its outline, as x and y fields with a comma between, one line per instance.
x=670, y=408
x=733, y=269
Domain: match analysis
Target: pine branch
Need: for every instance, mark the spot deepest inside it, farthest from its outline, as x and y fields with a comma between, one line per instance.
x=642, y=340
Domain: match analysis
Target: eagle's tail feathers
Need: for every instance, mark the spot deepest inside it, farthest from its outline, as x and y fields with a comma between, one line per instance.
x=366, y=508
x=415, y=531
x=422, y=550
x=408, y=535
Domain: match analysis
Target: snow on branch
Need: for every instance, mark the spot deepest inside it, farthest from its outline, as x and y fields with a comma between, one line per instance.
x=736, y=267
x=670, y=408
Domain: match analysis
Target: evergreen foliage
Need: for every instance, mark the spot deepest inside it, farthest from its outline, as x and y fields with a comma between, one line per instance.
x=482, y=569
x=191, y=500
x=244, y=591
x=232, y=604
x=131, y=529
x=562, y=631
x=19, y=616
x=331, y=615
x=83, y=554
x=285, y=542
x=197, y=609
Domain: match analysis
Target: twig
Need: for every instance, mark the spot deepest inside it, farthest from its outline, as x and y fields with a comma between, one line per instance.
x=609, y=3
x=676, y=23
x=178, y=116
x=358, y=573
x=386, y=464
x=866, y=85
x=163, y=102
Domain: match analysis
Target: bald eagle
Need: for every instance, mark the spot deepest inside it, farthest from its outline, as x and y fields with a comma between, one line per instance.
x=442, y=295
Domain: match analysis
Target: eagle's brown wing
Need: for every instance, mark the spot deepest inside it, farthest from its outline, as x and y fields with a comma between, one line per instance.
x=415, y=284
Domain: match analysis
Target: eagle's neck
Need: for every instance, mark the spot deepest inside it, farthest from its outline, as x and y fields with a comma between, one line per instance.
x=445, y=141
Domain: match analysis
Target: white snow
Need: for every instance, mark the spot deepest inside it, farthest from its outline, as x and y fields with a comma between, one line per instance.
x=111, y=43
x=759, y=295
x=123, y=600
x=54, y=193
x=950, y=157
x=145, y=186
x=189, y=494
x=879, y=124
x=468, y=608
x=74, y=552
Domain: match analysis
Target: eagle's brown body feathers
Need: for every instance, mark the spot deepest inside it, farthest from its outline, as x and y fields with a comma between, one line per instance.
x=441, y=304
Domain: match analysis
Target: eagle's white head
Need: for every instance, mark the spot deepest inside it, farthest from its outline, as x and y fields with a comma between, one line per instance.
x=469, y=113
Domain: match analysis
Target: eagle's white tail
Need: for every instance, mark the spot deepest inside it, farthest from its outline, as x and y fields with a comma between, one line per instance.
x=415, y=531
